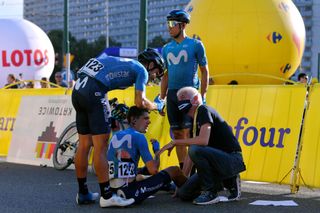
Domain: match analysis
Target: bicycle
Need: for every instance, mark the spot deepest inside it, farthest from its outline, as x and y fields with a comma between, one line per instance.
x=66, y=147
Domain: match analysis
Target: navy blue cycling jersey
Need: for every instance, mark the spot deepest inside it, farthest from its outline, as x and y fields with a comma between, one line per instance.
x=125, y=149
x=115, y=72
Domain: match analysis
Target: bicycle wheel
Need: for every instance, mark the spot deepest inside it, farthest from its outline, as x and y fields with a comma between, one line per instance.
x=66, y=148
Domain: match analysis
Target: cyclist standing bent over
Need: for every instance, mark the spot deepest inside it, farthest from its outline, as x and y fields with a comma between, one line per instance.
x=96, y=78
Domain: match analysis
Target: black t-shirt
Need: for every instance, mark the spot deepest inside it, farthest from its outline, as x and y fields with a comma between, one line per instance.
x=221, y=136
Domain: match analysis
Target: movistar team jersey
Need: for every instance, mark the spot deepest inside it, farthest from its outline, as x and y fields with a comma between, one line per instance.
x=182, y=60
x=116, y=73
x=125, y=149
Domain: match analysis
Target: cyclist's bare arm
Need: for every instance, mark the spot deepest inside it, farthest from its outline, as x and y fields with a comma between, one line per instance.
x=204, y=80
x=142, y=102
x=164, y=85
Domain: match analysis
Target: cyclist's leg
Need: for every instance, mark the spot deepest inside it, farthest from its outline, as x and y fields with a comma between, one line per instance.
x=141, y=190
x=100, y=143
x=81, y=158
x=100, y=127
x=84, y=196
x=178, y=124
x=181, y=150
x=86, y=100
x=176, y=175
x=80, y=101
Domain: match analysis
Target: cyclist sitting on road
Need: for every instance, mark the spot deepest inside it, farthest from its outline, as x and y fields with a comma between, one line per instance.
x=96, y=78
x=125, y=149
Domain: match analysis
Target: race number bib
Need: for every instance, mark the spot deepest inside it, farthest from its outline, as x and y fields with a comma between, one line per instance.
x=111, y=169
x=92, y=67
x=125, y=170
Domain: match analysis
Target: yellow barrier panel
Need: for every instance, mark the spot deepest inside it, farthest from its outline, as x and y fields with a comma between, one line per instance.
x=10, y=102
x=310, y=154
x=266, y=120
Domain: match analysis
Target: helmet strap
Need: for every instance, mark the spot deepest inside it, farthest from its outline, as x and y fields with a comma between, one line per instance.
x=155, y=67
x=148, y=67
x=177, y=36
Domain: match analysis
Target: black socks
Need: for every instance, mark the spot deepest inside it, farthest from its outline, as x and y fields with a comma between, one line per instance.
x=106, y=193
x=83, y=188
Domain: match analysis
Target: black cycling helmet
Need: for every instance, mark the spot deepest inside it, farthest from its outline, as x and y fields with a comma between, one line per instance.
x=151, y=55
x=179, y=15
x=119, y=112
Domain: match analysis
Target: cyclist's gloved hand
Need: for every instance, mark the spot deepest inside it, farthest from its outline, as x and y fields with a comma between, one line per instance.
x=160, y=103
x=155, y=145
x=204, y=101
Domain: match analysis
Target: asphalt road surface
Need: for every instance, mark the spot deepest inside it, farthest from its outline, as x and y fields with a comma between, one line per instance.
x=27, y=188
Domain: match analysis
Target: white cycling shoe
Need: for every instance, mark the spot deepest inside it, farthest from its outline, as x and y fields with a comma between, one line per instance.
x=115, y=200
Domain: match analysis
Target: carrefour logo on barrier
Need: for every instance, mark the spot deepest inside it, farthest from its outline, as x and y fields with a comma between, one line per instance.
x=251, y=135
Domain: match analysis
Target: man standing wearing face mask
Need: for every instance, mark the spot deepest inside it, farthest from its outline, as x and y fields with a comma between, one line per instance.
x=183, y=55
x=213, y=149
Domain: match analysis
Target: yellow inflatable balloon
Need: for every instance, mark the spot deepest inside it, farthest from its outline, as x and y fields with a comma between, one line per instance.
x=250, y=41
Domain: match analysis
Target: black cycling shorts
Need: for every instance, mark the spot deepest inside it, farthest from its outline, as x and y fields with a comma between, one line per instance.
x=141, y=190
x=92, y=107
x=177, y=120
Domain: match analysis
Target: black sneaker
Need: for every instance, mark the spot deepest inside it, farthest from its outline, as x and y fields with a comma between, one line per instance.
x=206, y=198
x=235, y=189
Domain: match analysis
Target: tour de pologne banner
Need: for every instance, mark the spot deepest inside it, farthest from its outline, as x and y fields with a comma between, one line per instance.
x=39, y=123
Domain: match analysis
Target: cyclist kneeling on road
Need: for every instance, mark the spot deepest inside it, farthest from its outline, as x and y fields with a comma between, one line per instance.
x=125, y=149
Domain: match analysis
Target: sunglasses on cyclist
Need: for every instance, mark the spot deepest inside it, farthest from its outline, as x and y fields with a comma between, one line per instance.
x=173, y=23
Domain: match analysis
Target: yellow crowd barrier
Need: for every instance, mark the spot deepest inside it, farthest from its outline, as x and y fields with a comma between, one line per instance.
x=265, y=119
x=10, y=102
x=309, y=168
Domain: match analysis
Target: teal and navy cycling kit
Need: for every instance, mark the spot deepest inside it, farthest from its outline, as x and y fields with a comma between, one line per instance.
x=97, y=77
x=125, y=149
x=182, y=60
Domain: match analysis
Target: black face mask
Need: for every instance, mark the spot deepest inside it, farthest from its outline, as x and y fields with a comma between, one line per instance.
x=184, y=106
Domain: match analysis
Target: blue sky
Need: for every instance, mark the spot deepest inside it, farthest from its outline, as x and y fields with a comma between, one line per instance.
x=11, y=8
